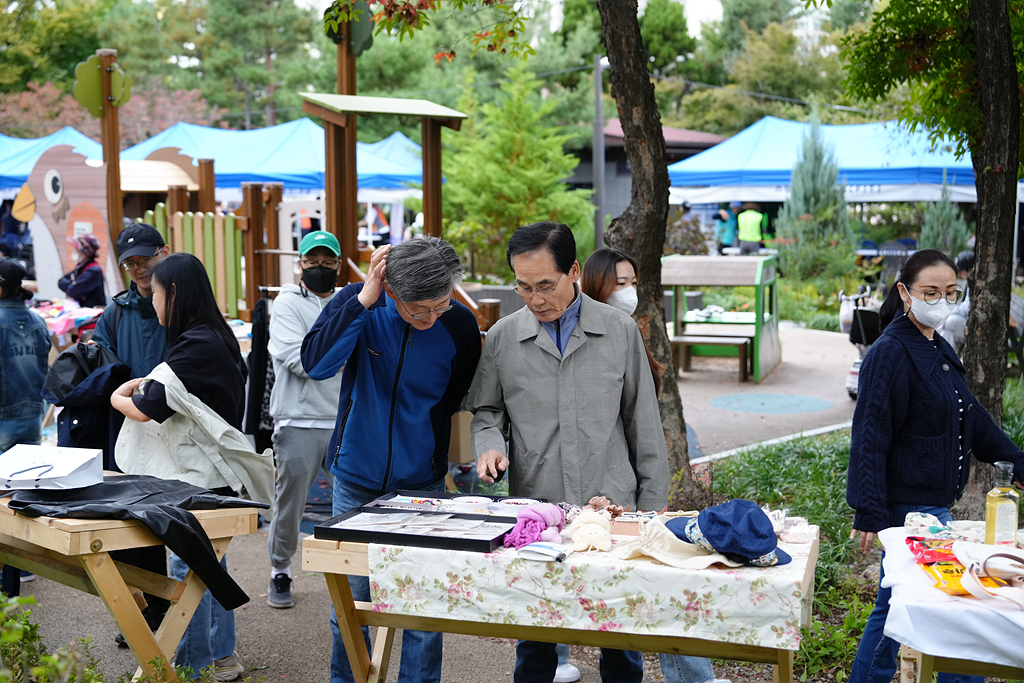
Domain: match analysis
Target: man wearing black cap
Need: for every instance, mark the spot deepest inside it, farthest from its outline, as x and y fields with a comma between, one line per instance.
x=130, y=329
x=129, y=326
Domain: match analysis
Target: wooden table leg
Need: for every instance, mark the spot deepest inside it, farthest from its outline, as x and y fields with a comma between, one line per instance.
x=783, y=671
x=348, y=623
x=119, y=602
x=909, y=662
x=180, y=613
x=925, y=668
x=381, y=655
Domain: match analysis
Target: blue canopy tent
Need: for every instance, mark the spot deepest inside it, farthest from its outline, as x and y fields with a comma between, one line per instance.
x=397, y=148
x=18, y=156
x=878, y=161
x=291, y=153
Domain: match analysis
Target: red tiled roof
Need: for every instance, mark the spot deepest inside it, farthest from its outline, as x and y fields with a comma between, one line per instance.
x=673, y=136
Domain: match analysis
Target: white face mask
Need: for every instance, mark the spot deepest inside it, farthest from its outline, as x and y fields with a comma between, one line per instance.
x=623, y=299
x=76, y=257
x=931, y=315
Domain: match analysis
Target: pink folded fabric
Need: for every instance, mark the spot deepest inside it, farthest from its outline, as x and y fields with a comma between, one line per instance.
x=540, y=522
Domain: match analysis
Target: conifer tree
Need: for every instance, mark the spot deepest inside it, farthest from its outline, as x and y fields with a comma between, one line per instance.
x=813, y=223
x=507, y=168
x=944, y=226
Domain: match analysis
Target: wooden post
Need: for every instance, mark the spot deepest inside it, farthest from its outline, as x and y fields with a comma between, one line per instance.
x=431, y=177
x=252, y=239
x=346, y=63
x=207, y=185
x=111, y=148
x=271, y=265
x=333, y=189
x=177, y=200
x=346, y=202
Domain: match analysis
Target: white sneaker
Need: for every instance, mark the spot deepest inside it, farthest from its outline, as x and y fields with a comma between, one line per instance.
x=566, y=673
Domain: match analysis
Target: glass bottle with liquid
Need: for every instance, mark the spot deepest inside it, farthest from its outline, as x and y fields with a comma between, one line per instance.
x=1001, y=506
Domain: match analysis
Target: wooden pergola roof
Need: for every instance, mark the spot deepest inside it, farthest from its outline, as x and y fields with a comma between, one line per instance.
x=335, y=108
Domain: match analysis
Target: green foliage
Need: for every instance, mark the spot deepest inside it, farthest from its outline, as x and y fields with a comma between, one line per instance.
x=829, y=648
x=844, y=14
x=506, y=170
x=813, y=225
x=928, y=47
x=663, y=28
x=23, y=656
x=778, y=62
x=684, y=236
x=43, y=41
x=752, y=15
x=944, y=226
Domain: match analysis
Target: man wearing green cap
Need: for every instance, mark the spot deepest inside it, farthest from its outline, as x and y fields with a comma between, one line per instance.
x=304, y=410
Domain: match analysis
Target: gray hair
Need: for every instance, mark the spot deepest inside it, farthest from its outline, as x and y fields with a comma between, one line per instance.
x=422, y=269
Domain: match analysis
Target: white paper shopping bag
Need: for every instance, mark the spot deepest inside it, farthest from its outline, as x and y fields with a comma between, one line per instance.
x=50, y=467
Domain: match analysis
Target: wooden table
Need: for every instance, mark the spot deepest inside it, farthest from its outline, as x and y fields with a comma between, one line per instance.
x=919, y=667
x=338, y=559
x=76, y=553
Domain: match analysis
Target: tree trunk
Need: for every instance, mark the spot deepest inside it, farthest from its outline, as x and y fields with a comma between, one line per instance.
x=640, y=230
x=995, y=159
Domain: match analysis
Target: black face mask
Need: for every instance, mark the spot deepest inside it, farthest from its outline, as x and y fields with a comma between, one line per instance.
x=320, y=279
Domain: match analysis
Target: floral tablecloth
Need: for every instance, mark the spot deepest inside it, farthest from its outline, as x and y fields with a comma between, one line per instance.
x=594, y=591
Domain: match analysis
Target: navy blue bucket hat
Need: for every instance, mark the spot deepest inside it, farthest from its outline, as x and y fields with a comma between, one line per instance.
x=738, y=529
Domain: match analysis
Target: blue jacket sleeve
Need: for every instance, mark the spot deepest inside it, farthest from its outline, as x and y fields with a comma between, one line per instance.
x=84, y=283
x=990, y=444
x=333, y=336
x=882, y=397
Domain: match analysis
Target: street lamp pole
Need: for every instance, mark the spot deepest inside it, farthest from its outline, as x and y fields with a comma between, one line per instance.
x=598, y=157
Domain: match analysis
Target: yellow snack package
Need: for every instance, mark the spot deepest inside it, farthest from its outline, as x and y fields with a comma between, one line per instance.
x=947, y=577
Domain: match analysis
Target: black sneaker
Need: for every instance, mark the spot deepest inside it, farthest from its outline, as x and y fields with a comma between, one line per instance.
x=279, y=595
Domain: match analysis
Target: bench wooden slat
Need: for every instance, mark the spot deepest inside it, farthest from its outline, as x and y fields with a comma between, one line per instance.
x=710, y=340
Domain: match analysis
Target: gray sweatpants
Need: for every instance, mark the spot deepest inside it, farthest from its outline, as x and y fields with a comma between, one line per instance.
x=300, y=455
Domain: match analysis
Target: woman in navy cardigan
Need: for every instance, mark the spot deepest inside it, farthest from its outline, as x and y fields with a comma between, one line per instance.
x=915, y=428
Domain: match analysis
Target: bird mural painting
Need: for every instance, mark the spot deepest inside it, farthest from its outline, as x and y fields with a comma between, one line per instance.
x=64, y=197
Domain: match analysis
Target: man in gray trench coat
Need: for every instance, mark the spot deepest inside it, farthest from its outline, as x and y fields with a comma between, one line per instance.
x=567, y=379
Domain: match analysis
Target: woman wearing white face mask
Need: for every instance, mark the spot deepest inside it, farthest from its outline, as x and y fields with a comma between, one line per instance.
x=915, y=429
x=610, y=276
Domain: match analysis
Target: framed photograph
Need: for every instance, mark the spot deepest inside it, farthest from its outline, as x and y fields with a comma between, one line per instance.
x=423, y=528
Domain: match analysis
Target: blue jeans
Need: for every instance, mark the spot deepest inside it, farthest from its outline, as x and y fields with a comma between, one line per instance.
x=536, y=663
x=421, y=650
x=674, y=668
x=685, y=669
x=876, y=655
x=211, y=633
x=13, y=432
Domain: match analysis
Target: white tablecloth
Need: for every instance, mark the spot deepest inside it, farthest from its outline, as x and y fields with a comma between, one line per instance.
x=941, y=625
x=595, y=591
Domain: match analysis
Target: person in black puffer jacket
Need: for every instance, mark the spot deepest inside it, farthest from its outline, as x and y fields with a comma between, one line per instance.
x=915, y=428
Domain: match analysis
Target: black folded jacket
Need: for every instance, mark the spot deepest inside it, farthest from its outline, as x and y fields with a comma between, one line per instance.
x=162, y=505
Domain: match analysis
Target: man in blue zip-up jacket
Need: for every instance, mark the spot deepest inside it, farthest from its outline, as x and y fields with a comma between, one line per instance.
x=409, y=352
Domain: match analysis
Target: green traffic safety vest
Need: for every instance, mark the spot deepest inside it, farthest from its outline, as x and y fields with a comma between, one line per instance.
x=750, y=226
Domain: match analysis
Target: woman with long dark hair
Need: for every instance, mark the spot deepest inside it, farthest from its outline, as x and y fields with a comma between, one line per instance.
x=610, y=276
x=185, y=421
x=915, y=428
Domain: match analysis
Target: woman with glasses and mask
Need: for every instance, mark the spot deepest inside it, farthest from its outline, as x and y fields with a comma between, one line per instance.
x=915, y=428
